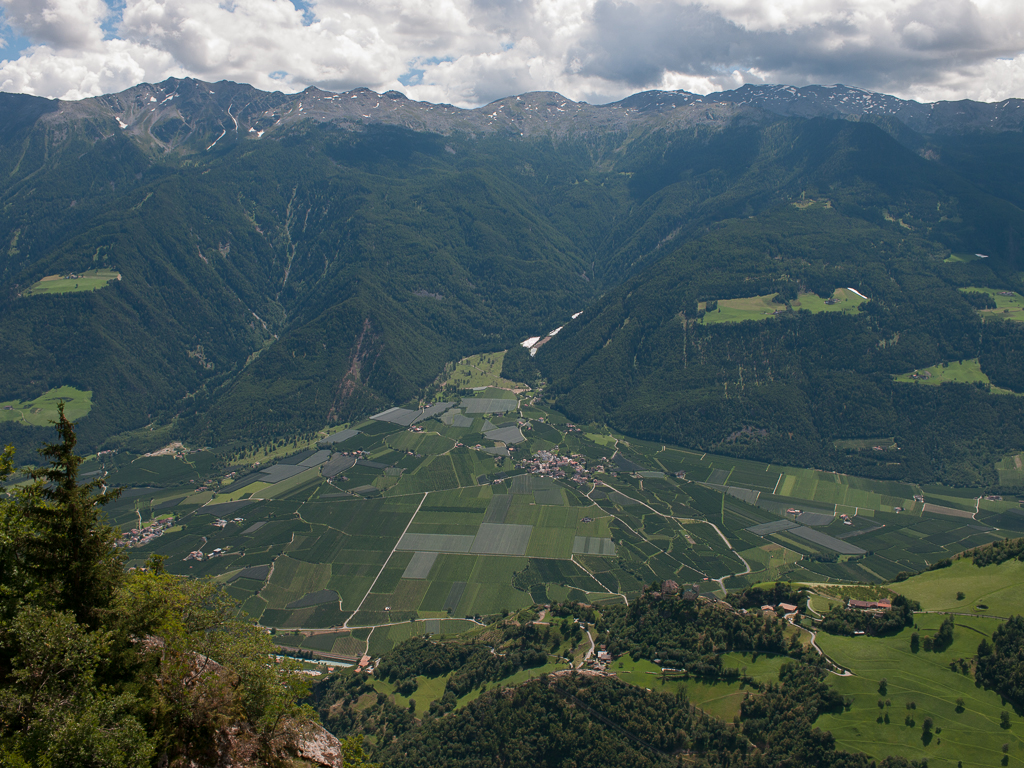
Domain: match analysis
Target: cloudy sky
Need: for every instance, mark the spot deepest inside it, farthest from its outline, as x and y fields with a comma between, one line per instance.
x=469, y=52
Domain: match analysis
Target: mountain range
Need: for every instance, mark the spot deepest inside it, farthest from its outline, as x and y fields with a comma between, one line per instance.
x=288, y=261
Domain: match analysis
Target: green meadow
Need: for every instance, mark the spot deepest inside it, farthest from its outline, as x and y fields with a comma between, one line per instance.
x=41, y=411
x=763, y=307
x=959, y=371
x=480, y=371
x=993, y=590
x=1009, y=304
x=918, y=685
x=80, y=282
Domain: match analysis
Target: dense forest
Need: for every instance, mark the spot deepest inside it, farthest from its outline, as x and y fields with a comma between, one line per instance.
x=644, y=359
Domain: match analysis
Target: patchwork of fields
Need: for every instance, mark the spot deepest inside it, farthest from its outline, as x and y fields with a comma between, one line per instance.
x=419, y=516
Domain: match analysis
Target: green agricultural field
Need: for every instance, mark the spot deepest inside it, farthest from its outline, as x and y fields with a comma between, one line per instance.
x=962, y=372
x=79, y=282
x=972, y=736
x=763, y=307
x=41, y=411
x=660, y=531
x=1009, y=304
x=1011, y=470
x=252, y=490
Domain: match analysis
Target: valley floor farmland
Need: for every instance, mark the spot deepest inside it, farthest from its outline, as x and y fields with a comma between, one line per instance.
x=387, y=525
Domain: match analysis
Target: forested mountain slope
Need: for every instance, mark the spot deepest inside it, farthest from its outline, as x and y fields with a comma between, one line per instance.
x=873, y=217
x=288, y=261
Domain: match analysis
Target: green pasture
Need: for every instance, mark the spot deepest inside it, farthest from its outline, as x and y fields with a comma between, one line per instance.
x=81, y=282
x=738, y=310
x=996, y=586
x=961, y=372
x=1009, y=307
x=41, y=411
x=719, y=698
x=973, y=736
x=846, y=302
x=769, y=562
x=763, y=307
x=480, y=371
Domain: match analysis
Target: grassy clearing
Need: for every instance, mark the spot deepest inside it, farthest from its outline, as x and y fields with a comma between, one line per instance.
x=763, y=307
x=962, y=372
x=844, y=300
x=78, y=282
x=738, y=310
x=277, y=490
x=481, y=371
x=924, y=678
x=41, y=411
x=1009, y=305
x=995, y=586
x=716, y=697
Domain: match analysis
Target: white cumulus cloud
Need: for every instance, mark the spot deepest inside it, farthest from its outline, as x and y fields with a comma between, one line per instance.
x=469, y=52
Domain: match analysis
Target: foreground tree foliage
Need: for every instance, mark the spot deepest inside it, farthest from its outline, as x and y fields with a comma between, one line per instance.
x=103, y=667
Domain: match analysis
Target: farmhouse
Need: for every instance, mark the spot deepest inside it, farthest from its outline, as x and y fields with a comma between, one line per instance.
x=869, y=605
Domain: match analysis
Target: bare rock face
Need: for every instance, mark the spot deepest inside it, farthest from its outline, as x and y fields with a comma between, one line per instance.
x=305, y=744
x=319, y=746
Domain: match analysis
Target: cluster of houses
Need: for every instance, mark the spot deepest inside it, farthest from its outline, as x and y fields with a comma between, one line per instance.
x=199, y=555
x=219, y=523
x=559, y=467
x=869, y=605
x=139, y=537
x=789, y=611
